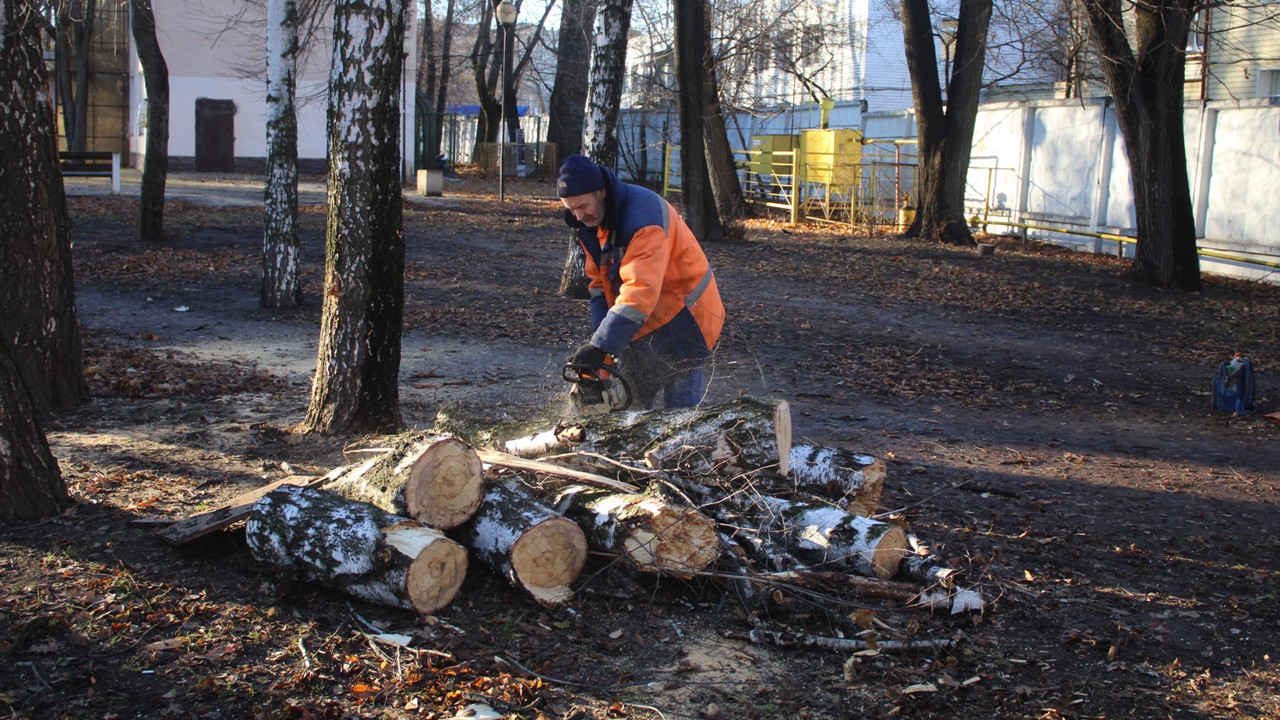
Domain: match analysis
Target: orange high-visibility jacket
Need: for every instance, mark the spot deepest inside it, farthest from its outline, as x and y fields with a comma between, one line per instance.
x=645, y=267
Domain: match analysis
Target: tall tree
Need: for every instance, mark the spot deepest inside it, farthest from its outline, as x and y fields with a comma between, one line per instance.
x=155, y=162
x=945, y=129
x=36, y=289
x=573, y=65
x=280, y=283
x=487, y=58
x=424, y=84
x=722, y=171
x=1142, y=49
x=435, y=142
x=37, y=292
x=73, y=37
x=356, y=384
x=693, y=50
x=607, y=74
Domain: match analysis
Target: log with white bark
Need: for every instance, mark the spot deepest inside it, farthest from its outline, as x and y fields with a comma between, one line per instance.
x=854, y=480
x=822, y=535
x=741, y=436
x=650, y=533
x=527, y=542
x=433, y=479
x=356, y=548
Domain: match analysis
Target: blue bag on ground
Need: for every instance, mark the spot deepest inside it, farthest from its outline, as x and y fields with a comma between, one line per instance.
x=1233, y=387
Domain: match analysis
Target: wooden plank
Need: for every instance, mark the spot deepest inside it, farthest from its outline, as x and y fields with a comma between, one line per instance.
x=494, y=457
x=237, y=508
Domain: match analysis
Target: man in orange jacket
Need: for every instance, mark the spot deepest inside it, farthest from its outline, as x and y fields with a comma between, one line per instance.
x=654, y=301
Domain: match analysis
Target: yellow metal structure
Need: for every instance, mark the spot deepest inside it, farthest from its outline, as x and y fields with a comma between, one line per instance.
x=773, y=154
x=830, y=157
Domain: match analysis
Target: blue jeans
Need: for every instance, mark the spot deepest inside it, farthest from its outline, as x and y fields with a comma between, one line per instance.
x=670, y=359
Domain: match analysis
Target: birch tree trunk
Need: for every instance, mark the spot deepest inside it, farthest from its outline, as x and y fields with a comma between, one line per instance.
x=281, y=287
x=356, y=548
x=155, y=161
x=608, y=73
x=822, y=535
x=431, y=479
x=525, y=541
x=356, y=384
x=649, y=533
x=37, y=290
x=853, y=479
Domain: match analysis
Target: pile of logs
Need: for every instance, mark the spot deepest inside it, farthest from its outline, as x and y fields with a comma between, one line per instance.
x=716, y=490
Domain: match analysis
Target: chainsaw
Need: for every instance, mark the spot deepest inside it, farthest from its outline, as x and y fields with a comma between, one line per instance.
x=596, y=391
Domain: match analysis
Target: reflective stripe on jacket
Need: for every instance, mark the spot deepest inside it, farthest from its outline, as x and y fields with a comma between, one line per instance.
x=646, y=264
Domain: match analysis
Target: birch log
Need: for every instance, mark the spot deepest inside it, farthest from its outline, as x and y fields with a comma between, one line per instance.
x=530, y=544
x=356, y=548
x=650, y=533
x=433, y=479
x=854, y=480
x=822, y=535
x=740, y=436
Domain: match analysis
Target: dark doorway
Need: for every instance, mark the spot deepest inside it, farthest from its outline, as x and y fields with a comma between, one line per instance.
x=215, y=135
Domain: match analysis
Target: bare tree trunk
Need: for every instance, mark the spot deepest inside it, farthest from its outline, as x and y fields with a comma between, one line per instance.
x=74, y=43
x=425, y=114
x=436, y=141
x=35, y=261
x=356, y=385
x=945, y=129
x=608, y=73
x=280, y=282
x=155, y=163
x=1145, y=75
x=721, y=171
x=37, y=291
x=573, y=66
x=693, y=45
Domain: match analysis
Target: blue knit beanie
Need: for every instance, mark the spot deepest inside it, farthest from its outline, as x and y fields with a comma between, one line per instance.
x=579, y=176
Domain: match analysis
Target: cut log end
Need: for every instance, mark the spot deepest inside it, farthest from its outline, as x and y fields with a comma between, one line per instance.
x=444, y=486
x=438, y=569
x=889, y=552
x=676, y=539
x=548, y=558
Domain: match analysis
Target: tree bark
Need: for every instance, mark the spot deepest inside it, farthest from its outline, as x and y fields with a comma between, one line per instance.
x=649, y=533
x=436, y=142
x=281, y=287
x=945, y=128
x=31, y=485
x=722, y=172
x=693, y=47
x=569, y=93
x=741, y=436
x=155, y=162
x=432, y=479
x=356, y=384
x=574, y=283
x=1145, y=75
x=852, y=479
x=356, y=549
x=525, y=541
x=37, y=290
x=608, y=74
x=822, y=535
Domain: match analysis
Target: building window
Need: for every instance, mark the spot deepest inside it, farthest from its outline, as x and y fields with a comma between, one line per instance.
x=1269, y=82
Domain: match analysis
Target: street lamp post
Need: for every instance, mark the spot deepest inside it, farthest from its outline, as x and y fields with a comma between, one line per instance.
x=947, y=28
x=506, y=13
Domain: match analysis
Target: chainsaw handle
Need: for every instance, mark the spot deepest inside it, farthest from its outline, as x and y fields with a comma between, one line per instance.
x=577, y=372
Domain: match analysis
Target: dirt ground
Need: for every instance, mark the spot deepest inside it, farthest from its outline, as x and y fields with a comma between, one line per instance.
x=1046, y=425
